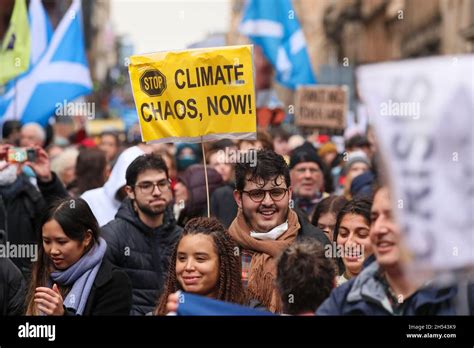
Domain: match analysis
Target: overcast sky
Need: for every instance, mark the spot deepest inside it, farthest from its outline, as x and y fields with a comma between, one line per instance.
x=157, y=25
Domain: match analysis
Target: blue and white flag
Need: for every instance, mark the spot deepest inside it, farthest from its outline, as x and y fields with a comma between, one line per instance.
x=59, y=69
x=274, y=27
x=41, y=30
x=190, y=304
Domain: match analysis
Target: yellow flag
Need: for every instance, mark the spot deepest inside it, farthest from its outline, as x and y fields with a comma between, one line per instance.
x=193, y=95
x=15, y=47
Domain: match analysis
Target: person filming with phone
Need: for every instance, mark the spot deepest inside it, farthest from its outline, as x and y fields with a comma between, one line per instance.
x=21, y=203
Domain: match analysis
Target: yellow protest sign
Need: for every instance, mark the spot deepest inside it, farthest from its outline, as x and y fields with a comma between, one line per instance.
x=186, y=95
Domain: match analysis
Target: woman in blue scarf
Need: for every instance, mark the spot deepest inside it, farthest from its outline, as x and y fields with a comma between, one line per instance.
x=71, y=275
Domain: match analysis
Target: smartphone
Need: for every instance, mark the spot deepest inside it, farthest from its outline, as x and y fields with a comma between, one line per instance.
x=21, y=154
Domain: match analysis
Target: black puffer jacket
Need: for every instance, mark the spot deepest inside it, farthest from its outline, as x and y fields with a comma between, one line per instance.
x=21, y=206
x=12, y=289
x=223, y=205
x=142, y=252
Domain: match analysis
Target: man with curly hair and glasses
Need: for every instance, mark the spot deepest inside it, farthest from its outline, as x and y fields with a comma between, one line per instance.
x=265, y=224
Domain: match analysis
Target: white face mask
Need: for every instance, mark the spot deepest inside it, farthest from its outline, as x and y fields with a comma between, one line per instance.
x=8, y=175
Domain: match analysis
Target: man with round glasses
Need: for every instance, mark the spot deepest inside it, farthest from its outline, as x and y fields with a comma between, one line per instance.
x=141, y=237
x=265, y=224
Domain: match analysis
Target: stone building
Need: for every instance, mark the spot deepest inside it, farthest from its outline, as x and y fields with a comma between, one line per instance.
x=368, y=31
x=342, y=34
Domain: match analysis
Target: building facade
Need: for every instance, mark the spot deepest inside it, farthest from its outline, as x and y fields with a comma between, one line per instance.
x=342, y=34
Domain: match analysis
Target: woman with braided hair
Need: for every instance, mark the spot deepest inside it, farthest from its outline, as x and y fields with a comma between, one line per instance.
x=205, y=262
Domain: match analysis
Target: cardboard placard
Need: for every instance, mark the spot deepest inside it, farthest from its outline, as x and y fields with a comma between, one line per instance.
x=322, y=107
x=195, y=95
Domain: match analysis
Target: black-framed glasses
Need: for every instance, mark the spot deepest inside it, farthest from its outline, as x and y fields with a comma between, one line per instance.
x=258, y=195
x=147, y=187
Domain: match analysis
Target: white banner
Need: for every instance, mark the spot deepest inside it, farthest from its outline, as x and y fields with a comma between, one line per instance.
x=423, y=111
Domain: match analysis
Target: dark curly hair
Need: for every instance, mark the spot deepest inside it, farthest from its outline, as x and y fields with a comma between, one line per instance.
x=229, y=286
x=142, y=163
x=269, y=166
x=305, y=277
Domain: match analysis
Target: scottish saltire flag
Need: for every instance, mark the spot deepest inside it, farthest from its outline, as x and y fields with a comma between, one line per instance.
x=190, y=304
x=273, y=26
x=60, y=73
x=15, y=48
x=41, y=30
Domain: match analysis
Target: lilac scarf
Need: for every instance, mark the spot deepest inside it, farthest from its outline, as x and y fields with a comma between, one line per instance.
x=81, y=276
